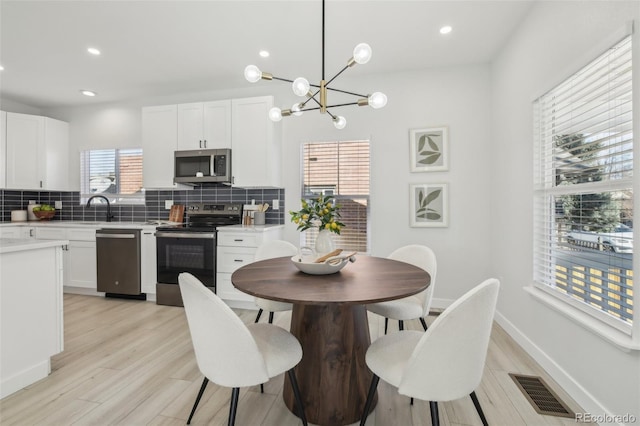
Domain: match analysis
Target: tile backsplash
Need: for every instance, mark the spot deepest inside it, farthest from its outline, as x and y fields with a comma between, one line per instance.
x=153, y=208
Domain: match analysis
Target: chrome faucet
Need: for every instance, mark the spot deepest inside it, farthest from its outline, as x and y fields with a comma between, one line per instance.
x=109, y=216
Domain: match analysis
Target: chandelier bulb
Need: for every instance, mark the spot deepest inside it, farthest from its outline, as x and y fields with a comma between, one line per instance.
x=252, y=73
x=275, y=114
x=339, y=122
x=300, y=86
x=295, y=109
x=377, y=100
x=362, y=53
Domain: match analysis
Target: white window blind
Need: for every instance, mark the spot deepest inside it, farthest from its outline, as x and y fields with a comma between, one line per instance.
x=114, y=173
x=340, y=169
x=583, y=199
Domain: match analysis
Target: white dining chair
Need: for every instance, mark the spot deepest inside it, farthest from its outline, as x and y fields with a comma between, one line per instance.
x=445, y=362
x=418, y=305
x=232, y=354
x=269, y=250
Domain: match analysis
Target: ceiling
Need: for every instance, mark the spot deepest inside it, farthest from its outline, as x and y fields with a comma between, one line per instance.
x=157, y=48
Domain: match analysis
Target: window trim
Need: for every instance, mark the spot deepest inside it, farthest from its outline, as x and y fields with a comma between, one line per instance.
x=623, y=335
x=116, y=199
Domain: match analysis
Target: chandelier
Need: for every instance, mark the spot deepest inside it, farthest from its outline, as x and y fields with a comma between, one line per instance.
x=317, y=98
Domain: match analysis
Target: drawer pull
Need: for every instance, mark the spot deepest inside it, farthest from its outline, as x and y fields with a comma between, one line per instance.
x=238, y=241
x=238, y=260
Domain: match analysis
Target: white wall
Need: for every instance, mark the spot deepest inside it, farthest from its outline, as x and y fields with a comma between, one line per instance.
x=555, y=39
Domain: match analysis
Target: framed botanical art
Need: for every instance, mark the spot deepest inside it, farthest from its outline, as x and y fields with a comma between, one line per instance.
x=429, y=149
x=429, y=205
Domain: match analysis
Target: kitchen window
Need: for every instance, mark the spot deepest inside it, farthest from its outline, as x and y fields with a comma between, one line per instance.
x=583, y=192
x=342, y=170
x=114, y=173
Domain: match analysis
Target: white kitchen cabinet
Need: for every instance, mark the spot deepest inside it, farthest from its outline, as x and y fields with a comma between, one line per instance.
x=37, y=152
x=159, y=141
x=11, y=231
x=256, y=156
x=148, y=270
x=237, y=247
x=56, y=134
x=25, y=151
x=204, y=125
x=3, y=149
x=79, y=256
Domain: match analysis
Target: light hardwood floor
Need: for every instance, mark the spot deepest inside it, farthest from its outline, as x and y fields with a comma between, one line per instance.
x=132, y=363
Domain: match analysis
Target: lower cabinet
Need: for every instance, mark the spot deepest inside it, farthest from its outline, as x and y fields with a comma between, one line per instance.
x=79, y=256
x=236, y=248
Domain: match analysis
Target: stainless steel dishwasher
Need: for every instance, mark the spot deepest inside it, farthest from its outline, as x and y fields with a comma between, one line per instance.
x=118, y=262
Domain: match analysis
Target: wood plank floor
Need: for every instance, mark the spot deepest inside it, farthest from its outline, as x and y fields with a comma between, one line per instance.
x=132, y=363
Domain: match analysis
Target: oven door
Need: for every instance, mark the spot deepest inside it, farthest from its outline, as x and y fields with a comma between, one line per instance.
x=178, y=252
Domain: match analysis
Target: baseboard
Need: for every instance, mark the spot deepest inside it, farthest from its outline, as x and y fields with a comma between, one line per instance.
x=24, y=378
x=586, y=401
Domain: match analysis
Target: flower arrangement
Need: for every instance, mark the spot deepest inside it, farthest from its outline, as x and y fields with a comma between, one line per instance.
x=318, y=212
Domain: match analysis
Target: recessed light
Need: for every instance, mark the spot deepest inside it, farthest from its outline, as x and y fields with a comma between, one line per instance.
x=93, y=51
x=446, y=29
x=88, y=93
x=264, y=54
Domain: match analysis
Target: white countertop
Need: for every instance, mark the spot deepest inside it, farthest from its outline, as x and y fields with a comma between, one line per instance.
x=11, y=245
x=249, y=228
x=83, y=224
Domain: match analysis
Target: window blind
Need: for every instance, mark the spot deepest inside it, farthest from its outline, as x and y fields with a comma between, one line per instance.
x=583, y=192
x=114, y=173
x=340, y=169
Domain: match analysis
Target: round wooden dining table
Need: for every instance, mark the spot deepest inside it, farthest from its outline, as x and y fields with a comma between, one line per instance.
x=329, y=319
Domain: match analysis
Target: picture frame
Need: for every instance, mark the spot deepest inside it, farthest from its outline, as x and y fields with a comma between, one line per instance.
x=429, y=205
x=429, y=149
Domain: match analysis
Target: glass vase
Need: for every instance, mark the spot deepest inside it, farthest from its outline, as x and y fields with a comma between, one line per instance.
x=324, y=242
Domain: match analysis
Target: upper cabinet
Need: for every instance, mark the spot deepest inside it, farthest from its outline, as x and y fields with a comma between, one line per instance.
x=256, y=152
x=204, y=125
x=3, y=149
x=159, y=141
x=240, y=124
x=37, y=152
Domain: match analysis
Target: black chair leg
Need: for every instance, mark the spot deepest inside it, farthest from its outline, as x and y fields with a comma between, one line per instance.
x=367, y=406
x=476, y=403
x=411, y=401
x=424, y=323
x=386, y=324
x=401, y=325
x=193, y=410
x=261, y=388
x=233, y=407
x=435, y=419
x=258, y=316
x=296, y=394
x=270, y=317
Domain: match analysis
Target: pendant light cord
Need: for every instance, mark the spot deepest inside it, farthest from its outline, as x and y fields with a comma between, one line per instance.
x=323, y=39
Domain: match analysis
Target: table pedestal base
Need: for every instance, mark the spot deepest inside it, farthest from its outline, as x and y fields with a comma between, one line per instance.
x=333, y=376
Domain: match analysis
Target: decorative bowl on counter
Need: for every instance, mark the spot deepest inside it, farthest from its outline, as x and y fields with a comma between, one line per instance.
x=45, y=214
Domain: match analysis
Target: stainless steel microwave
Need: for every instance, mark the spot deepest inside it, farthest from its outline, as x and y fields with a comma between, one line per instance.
x=202, y=166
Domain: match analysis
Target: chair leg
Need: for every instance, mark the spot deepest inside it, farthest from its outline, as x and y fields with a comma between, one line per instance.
x=424, y=323
x=296, y=394
x=193, y=410
x=258, y=316
x=401, y=325
x=435, y=419
x=270, y=317
x=367, y=406
x=261, y=387
x=476, y=403
x=233, y=407
x=386, y=324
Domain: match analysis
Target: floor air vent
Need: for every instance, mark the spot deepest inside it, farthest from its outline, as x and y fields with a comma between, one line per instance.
x=541, y=397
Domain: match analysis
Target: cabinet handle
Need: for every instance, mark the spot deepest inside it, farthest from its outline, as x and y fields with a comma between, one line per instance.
x=31, y=232
x=205, y=143
x=200, y=144
x=40, y=184
x=238, y=241
x=238, y=260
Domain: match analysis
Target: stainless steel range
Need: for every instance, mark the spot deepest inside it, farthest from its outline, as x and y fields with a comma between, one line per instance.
x=191, y=247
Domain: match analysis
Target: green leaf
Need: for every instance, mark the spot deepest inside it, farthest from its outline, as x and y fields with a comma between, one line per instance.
x=433, y=195
x=421, y=143
x=434, y=146
x=420, y=210
x=420, y=197
x=433, y=216
x=430, y=159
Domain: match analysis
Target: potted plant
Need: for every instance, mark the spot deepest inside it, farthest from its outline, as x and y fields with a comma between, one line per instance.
x=322, y=214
